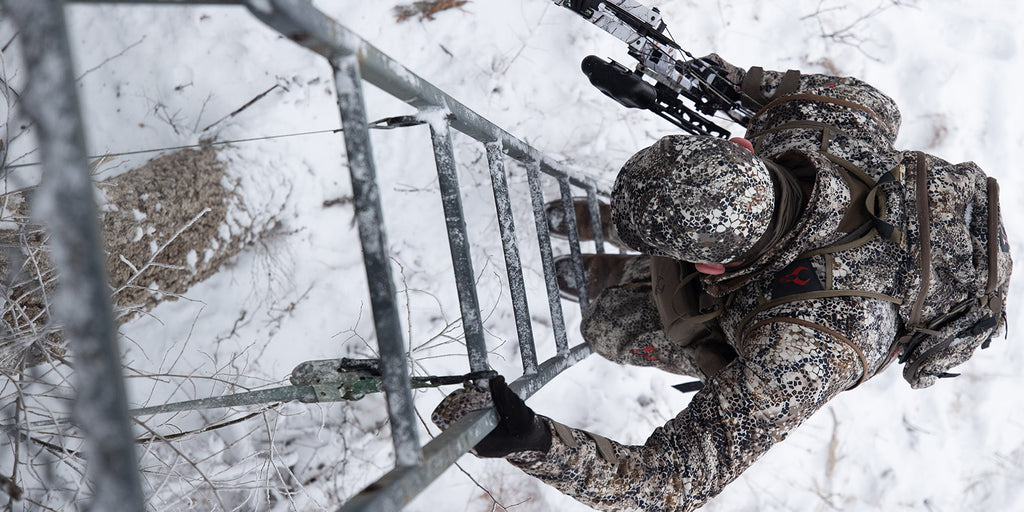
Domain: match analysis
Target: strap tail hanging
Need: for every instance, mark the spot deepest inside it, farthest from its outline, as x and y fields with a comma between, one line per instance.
x=689, y=387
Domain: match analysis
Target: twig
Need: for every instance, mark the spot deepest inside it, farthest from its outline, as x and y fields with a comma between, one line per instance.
x=202, y=109
x=202, y=475
x=170, y=437
x=108, y=59
x=152, y=259
x=425, y=9
x=11, y=40
x=240, y=109
x=846, y=34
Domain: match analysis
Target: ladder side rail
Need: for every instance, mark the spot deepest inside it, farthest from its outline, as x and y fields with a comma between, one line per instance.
x=383, y=295
x=303, y=23
x=82, y=306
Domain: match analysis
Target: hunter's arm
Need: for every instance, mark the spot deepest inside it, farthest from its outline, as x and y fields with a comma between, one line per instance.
x=788, y=372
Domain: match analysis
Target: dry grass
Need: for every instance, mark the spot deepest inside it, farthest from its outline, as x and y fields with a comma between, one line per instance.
x=425, y=9
x=161, y=228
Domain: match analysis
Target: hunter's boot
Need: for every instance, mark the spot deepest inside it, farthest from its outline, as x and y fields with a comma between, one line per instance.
x=559, y=228
x=603, y=270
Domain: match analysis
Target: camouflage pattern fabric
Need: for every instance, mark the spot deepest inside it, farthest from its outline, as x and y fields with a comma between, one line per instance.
x=792, y=358
x=625, y=326
x=470, y=397
x=696, y=199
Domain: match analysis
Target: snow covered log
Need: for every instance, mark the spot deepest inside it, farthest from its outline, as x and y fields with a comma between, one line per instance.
x=167, y=225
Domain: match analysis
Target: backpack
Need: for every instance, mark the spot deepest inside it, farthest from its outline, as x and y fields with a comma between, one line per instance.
x=956, y=260
x=966, y=254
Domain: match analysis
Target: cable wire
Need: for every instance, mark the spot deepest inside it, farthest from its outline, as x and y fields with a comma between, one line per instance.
x=188, y=146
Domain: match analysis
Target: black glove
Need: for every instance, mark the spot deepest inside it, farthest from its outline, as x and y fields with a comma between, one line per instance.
x=519, y=428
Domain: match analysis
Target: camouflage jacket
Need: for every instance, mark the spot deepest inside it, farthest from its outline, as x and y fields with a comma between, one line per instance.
x=793, y=357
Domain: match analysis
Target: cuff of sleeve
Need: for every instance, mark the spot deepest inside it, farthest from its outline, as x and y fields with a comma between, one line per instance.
x=563, y=439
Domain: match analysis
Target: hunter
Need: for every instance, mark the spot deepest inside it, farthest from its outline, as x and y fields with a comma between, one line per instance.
x=780, y=269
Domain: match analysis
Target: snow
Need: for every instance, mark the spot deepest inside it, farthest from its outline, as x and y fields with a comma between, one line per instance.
x=153, y=76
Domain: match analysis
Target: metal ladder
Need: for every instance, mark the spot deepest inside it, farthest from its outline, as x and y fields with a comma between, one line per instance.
x=66, y=193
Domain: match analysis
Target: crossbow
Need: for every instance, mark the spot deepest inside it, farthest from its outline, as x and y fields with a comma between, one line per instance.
x=676, y=73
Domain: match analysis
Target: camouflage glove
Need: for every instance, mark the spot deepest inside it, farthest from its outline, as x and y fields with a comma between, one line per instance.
x=519, y=428
x=460, y=403
x=732, y=73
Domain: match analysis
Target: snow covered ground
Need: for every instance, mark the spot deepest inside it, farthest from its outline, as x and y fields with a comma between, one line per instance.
x=158, y=76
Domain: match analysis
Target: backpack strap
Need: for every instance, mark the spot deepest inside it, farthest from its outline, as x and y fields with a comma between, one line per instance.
x=818, y=294
x=878, y=224
x=993, y=236
x=875, y=203
x=916, y=332
x=817, y=98
x=836, y=335
x=995, y=291
x=875, y=200
x=864, y=234
x=924, y=228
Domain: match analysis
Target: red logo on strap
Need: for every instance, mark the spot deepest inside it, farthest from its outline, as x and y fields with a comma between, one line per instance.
x=794, y=277
x=645, y=352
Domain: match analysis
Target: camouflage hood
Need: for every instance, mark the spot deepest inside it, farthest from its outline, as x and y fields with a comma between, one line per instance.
x=817, y=226
x=719, y=193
